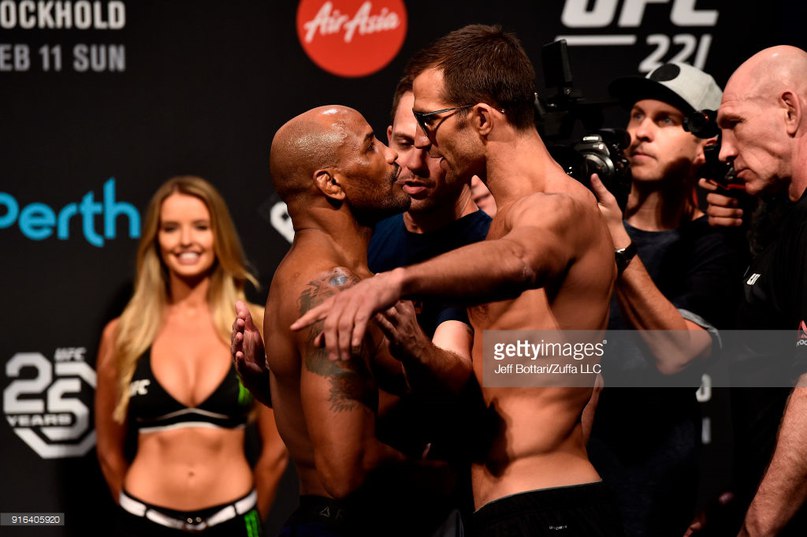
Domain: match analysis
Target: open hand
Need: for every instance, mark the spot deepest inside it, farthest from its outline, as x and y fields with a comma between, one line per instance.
x=400, y=325
x=249, y=354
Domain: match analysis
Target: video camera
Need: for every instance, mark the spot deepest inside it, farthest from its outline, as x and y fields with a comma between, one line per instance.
x=703, y=124
x=599, y=150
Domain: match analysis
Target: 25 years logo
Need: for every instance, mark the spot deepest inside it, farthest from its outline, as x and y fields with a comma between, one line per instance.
x=45, y=403
x=351, y=38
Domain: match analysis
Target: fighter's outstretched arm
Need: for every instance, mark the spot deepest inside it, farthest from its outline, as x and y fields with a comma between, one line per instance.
x=546, y=234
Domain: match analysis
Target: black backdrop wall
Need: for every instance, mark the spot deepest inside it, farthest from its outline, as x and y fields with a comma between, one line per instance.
x=100, y=101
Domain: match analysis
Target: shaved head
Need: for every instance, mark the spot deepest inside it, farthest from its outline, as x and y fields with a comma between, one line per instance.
x=306, y=143
x=330, y=153
x=763, y=117
x=768, y=72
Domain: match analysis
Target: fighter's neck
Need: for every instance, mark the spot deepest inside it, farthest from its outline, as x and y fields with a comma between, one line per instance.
x=519, y=168
x=342, y=249
x=340, y=232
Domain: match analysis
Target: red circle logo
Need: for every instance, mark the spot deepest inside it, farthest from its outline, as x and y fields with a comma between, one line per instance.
x=351, y=38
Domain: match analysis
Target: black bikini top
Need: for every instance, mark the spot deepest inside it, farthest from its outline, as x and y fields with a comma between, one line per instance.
x=152, y=408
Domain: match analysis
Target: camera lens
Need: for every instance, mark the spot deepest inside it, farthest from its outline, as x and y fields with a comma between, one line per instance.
x=702, y=124
x=596, y=164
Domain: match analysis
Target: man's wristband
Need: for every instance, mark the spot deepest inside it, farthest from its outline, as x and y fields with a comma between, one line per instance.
x=623, y=257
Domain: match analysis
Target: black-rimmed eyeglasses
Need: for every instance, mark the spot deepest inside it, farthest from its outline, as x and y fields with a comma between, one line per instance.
x=424, y=119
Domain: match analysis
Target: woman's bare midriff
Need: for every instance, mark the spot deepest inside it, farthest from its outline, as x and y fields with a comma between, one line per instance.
x=190, y=468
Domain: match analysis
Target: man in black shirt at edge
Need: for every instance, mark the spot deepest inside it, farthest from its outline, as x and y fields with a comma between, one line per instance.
x=763, y=117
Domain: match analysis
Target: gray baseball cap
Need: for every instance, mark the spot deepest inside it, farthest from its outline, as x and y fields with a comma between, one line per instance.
x=679, y=84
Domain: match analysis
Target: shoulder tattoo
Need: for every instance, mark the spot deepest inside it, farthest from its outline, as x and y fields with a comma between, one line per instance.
x=350, y=380
x=327, y=285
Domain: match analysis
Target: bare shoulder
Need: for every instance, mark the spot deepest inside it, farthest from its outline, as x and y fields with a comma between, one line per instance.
x=349, y=378
x=323, y=285
x=563, y=228
x=294, y=292
x=554, y=209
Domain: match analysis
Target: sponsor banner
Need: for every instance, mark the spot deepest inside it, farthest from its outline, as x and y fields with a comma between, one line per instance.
x=95, y=219
x=644, y=359
x=97, y=56
x=351, y=38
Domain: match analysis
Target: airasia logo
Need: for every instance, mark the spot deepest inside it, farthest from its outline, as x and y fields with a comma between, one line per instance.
x=351, y=38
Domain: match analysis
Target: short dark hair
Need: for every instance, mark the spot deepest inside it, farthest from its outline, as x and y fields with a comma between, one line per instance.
x=482, y=63
x=404, y=86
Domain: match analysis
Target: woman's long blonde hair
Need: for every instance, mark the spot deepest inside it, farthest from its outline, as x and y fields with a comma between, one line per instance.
x=143, y=315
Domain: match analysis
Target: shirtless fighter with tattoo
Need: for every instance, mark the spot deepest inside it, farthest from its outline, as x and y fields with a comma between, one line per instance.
x=337, y=180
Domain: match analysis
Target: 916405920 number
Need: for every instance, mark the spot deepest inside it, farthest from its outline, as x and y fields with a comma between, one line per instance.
x=31, y=519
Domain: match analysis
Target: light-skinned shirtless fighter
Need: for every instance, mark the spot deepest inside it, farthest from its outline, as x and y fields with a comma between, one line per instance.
x=337, y=179
x=548, y=263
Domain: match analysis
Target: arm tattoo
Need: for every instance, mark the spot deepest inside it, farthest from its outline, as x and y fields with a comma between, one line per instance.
x=351, y=381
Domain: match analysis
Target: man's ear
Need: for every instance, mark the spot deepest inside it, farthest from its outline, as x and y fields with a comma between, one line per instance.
x=328, y=183
x=389, y=135
x=792, y=107
x=483, y=117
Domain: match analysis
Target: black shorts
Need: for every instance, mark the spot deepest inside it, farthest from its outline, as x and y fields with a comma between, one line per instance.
x=317, y=516
x=574, y=511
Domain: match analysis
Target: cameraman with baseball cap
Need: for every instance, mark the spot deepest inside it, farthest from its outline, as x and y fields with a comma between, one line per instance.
x=675, y=276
